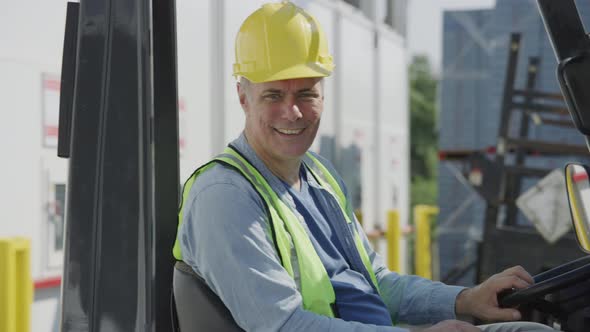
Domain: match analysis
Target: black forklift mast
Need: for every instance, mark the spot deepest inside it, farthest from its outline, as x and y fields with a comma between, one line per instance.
x=119, y=129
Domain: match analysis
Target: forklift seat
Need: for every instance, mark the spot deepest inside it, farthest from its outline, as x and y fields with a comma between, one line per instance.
x=198, y=308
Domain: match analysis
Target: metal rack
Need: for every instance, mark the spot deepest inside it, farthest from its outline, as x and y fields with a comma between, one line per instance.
x=497, y=174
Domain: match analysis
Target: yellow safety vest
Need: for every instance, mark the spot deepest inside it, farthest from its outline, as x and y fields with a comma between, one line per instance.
x=316, y=288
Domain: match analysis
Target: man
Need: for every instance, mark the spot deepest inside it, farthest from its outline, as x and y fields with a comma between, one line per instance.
x=269, y=226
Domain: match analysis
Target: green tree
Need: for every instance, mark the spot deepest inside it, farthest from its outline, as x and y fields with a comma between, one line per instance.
x=423, y=135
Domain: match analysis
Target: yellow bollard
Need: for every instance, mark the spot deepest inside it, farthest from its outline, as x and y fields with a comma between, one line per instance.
x=422, y=248
x=16, y=285
x=24, y=284
x=393, y=236
x=7, y=281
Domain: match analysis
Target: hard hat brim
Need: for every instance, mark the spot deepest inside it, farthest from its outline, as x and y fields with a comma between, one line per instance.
x=299, y=71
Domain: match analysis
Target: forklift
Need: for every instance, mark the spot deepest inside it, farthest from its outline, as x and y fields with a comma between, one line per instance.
x=118, y=127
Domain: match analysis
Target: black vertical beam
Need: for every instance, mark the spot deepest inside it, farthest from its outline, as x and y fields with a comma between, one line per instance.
x=564, y=27
x=485, y=252
x=571, y=46
x=514, y=181
x=108, y=280
x=165, y=155
x=509, y=79
x=68, y=71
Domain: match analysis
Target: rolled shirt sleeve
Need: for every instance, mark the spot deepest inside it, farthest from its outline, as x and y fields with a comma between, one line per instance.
x=225, y=237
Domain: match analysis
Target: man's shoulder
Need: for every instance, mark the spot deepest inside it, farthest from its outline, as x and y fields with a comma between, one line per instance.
x=219, y=175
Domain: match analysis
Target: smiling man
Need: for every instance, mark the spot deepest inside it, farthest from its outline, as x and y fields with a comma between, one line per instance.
x=282, y=119
x=269, y=227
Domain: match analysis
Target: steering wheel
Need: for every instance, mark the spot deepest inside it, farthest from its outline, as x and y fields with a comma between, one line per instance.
x=556, y=279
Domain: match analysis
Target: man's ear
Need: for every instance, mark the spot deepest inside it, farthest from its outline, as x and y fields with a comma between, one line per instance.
x=242, y=95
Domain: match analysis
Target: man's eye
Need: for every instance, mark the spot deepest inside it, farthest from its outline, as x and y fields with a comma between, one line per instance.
x=273, y=97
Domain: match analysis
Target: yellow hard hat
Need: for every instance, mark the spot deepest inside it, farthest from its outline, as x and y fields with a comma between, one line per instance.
x=281, y=41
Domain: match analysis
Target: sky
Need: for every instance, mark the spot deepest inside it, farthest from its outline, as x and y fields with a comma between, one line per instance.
x=425, y=25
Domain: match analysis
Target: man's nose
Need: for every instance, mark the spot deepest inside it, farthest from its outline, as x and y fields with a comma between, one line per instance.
x=293, y=113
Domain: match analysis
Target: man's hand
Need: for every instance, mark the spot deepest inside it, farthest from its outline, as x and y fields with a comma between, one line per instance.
x=482, y=301
x=450, y=326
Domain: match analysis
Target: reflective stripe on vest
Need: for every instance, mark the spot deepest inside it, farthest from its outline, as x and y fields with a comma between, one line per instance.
x=315, y=286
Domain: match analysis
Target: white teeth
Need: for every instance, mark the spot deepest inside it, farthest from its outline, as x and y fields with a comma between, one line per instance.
x=290, y=131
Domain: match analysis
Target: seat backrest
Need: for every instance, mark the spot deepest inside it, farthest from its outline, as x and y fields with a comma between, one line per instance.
x=197, y=307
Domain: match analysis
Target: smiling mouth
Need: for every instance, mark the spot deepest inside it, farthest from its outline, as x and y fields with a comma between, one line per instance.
x=290, y=131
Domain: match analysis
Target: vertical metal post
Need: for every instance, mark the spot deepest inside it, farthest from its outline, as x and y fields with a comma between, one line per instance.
x=109, y=269
x=514, y=181
x=491, y=216
x=68, y=71
x=509, y=79
x=166, y=157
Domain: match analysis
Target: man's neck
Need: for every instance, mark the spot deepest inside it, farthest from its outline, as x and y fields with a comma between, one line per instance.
x=285, y=169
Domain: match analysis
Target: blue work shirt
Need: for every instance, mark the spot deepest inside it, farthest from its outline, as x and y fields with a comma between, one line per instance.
x=356, y=299
x=225, y=237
